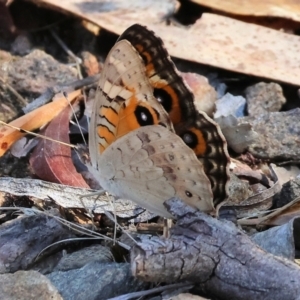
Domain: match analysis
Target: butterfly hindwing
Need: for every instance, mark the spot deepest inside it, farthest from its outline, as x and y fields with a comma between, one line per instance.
x=151, y=165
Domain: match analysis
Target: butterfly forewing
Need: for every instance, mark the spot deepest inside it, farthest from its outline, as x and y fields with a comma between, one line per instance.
x=169, y=86
x=124, y=100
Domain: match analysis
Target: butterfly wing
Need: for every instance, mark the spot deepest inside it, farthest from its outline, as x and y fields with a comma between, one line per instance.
x=205, y=138
x=151, y=165
x=169, y=87
x=197, y=130
x=124, y=100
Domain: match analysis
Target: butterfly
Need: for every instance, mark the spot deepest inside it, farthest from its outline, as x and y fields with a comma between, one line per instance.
x=147, y=141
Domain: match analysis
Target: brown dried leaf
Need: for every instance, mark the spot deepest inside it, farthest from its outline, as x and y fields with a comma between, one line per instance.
x=213, y=40
x=288, y=9
x=51, y=161
x=33, y=120
x=278, y=217
x=285, y=215
x=221, y=42
x=263, y=190
x=152, y=11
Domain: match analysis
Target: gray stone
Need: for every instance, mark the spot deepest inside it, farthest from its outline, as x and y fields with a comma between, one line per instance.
x=96, y=280
x=238, y=190
x=279, y=240
x=290, y=190
x=21, y=45
x=230, y=105
x=36, y=72
x=84, y=256
x=278, y=135
x=29, y=285
x=264, y=97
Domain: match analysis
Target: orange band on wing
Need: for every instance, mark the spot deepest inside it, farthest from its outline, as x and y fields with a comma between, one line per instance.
x=119, y=124
x=175, y=113
x=128, y=120
x=108, y=136
x=101, y=148
x=202, y=145
x=107, y=131
x=111, y=116
x=148, y=58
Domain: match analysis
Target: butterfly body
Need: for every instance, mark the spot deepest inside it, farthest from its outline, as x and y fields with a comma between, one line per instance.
x=135, y=154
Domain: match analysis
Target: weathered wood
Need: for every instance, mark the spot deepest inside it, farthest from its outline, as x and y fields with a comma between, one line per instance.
x=22, y=239
x=220, y=259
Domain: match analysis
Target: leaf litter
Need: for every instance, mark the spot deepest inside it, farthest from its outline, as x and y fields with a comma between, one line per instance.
x=220, y=45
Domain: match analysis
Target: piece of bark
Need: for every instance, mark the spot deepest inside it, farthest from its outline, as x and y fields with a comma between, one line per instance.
x=24, y=238
x=69, y=197
x=221, y=260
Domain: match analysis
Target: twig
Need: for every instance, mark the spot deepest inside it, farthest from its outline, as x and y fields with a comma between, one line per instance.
x=77, y=60
x=13, y=91
x=37, y=135
x=153, y=291
x=50, y=92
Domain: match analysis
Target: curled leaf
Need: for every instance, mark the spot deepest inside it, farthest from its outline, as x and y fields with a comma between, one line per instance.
x=51, y=161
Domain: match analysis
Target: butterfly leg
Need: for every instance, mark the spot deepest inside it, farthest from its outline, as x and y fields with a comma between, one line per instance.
x=89, y=211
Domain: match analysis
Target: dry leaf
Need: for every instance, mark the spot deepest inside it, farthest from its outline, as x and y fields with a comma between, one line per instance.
x=285, y=215
x=263, y=191
x=279, y=216
x=51, y=161
x=33, y=120
x=213, y=40
x=288, y=9
x=106, y=11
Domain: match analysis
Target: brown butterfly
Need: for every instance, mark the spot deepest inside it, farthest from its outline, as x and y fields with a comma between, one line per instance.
x=135, y=153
